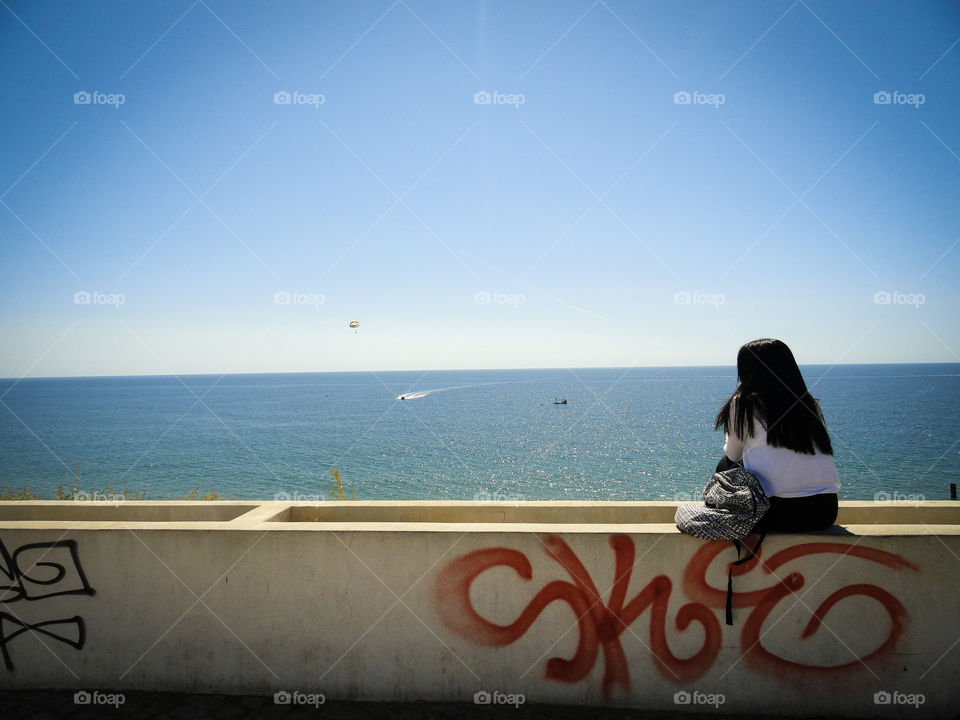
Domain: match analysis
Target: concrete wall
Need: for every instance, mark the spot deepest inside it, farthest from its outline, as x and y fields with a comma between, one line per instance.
x=587, y=603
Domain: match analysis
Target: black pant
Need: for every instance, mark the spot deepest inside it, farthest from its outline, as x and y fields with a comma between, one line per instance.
x=812, y=512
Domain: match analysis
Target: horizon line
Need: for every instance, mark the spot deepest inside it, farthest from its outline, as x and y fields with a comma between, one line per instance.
x=425, y=371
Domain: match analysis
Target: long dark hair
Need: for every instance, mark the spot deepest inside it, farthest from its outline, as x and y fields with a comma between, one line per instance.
x=772, y=391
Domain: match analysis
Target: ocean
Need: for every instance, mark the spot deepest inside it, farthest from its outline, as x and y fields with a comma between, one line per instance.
x=624, y=434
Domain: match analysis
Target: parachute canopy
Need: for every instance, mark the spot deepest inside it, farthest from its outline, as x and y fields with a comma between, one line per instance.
x=354, y=324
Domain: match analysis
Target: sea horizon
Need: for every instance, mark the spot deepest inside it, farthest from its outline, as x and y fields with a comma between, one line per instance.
x=462, y=369
x=643, y=433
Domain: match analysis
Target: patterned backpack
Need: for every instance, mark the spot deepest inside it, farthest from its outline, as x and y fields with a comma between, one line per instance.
x=734, y=505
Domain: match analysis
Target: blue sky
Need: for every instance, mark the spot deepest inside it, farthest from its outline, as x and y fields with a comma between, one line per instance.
x=586, y=216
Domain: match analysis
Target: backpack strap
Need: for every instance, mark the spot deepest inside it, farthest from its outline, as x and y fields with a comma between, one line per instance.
x=740, y=561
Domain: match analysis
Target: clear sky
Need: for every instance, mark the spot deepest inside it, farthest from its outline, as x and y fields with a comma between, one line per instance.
x=478, y=184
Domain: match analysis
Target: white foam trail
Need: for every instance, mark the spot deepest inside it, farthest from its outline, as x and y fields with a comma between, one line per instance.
x=424, y=393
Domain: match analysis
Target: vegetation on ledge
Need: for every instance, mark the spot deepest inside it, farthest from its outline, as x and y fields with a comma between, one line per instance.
x=110, y=494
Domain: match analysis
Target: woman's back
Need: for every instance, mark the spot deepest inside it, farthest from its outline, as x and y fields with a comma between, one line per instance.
x=776, y=428
x=782, y=472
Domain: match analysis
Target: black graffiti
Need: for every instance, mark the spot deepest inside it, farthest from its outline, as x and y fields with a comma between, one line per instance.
x=37, y=571
x=75, y=640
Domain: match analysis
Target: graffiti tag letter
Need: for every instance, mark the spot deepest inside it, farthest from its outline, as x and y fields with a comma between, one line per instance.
x=55, y=571
x=600, y=625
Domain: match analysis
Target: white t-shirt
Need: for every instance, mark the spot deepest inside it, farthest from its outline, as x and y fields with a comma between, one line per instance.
x=782, y=472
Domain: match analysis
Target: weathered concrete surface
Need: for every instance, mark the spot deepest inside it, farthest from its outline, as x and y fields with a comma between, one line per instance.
x=566, y=603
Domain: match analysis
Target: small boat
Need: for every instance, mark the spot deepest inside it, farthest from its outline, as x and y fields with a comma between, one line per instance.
x=559, y=402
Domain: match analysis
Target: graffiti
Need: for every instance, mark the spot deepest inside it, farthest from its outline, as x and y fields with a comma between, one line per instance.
x=600, y=624
x=37, y=571
x=764, y=600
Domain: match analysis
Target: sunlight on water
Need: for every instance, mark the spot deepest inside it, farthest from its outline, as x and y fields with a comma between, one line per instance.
x=644, y=435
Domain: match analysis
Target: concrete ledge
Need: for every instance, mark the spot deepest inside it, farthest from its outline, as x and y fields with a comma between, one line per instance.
x=419, y=515
x=586, y=604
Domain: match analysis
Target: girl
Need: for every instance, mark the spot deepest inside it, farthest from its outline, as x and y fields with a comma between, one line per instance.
x=774, y=426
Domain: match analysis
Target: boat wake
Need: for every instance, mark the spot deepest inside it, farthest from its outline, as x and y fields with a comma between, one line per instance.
x=417, y=395
x=414, y=395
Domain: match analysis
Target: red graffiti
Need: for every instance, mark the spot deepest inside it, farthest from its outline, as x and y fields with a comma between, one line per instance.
x=765, y=599
x=601, y=624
